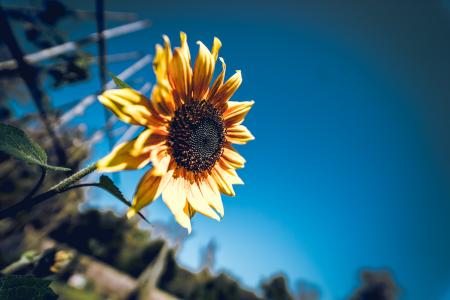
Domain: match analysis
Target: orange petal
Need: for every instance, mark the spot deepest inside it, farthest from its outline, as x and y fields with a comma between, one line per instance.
x=203, y=72
x=185, y=47
x=180, y=76
x=236, y=112
x=227, y=90
x=217, y=44
x=239, y=134
x=162, y=101
x=218, y=82
x=161, y=61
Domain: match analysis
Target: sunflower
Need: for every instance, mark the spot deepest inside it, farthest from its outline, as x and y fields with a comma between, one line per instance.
x=189, y=128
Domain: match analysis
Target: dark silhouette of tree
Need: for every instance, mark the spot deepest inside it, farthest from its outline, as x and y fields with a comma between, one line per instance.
x=376, y=285
x=276, y=289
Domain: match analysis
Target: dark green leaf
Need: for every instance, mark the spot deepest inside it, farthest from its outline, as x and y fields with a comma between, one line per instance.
x=17, y=287
x=120, y=84
x=108, y=185
x=16, y=143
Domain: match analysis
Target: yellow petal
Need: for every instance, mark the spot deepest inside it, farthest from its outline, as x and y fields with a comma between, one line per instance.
x=217, y=44
x=239, y=134
x=129, y=106
x=227, y=90
x=199, y=203
x=162, y=101
x=123, y=157
x=211, y=193
x=148, y=190
x=185, y=47
x=220, y=177
x=148, y=140
x=203, y=72
x=160, y=159
x=174, y=196
x=218, y=82
x=236, y=112
x=234, y=159
x=180, y=76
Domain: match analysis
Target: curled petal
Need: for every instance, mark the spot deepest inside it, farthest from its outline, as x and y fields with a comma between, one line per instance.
x=217, y=44
x=236, y=112
x=227, y=90
x=218, y=82
x=203, y=72
x=129, y=106
x=232, y=158
x=239, y=134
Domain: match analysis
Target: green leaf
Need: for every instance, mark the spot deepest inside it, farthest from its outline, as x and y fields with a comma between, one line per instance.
x=16, y=143
x=108, y=185
x=18, y=287
x=120, y=84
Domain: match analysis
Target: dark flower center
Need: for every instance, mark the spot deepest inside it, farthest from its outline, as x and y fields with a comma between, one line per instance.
x=196, y=136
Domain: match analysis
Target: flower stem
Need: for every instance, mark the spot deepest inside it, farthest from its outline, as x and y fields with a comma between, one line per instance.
x=61, y=187
x=74, y=178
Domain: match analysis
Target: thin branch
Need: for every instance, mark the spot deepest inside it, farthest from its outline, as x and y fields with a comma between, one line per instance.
x=74, y=45
x=100, y=18
x=28, y=203
x=37, y=185
x=29, y=75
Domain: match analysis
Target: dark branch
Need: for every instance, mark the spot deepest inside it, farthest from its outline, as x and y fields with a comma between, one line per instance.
x=38, y=184
x=29, y=75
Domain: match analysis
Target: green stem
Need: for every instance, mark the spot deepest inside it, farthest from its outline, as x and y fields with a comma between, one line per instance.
x=74, y=178
x=61, y=187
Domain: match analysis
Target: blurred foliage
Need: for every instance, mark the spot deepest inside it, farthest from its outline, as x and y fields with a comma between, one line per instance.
x=376, y=285
x=41, y=30
x=112, y=239
x=276, y=289
x=17, y=287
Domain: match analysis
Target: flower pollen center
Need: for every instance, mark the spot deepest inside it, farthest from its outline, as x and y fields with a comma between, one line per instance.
x=196, y=136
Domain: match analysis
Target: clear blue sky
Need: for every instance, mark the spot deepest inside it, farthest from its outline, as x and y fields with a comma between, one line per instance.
x=351, y=163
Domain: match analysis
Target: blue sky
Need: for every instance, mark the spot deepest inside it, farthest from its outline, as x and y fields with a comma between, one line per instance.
x=350, y=167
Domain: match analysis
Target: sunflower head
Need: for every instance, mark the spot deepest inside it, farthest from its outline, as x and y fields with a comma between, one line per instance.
x=190, y=124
